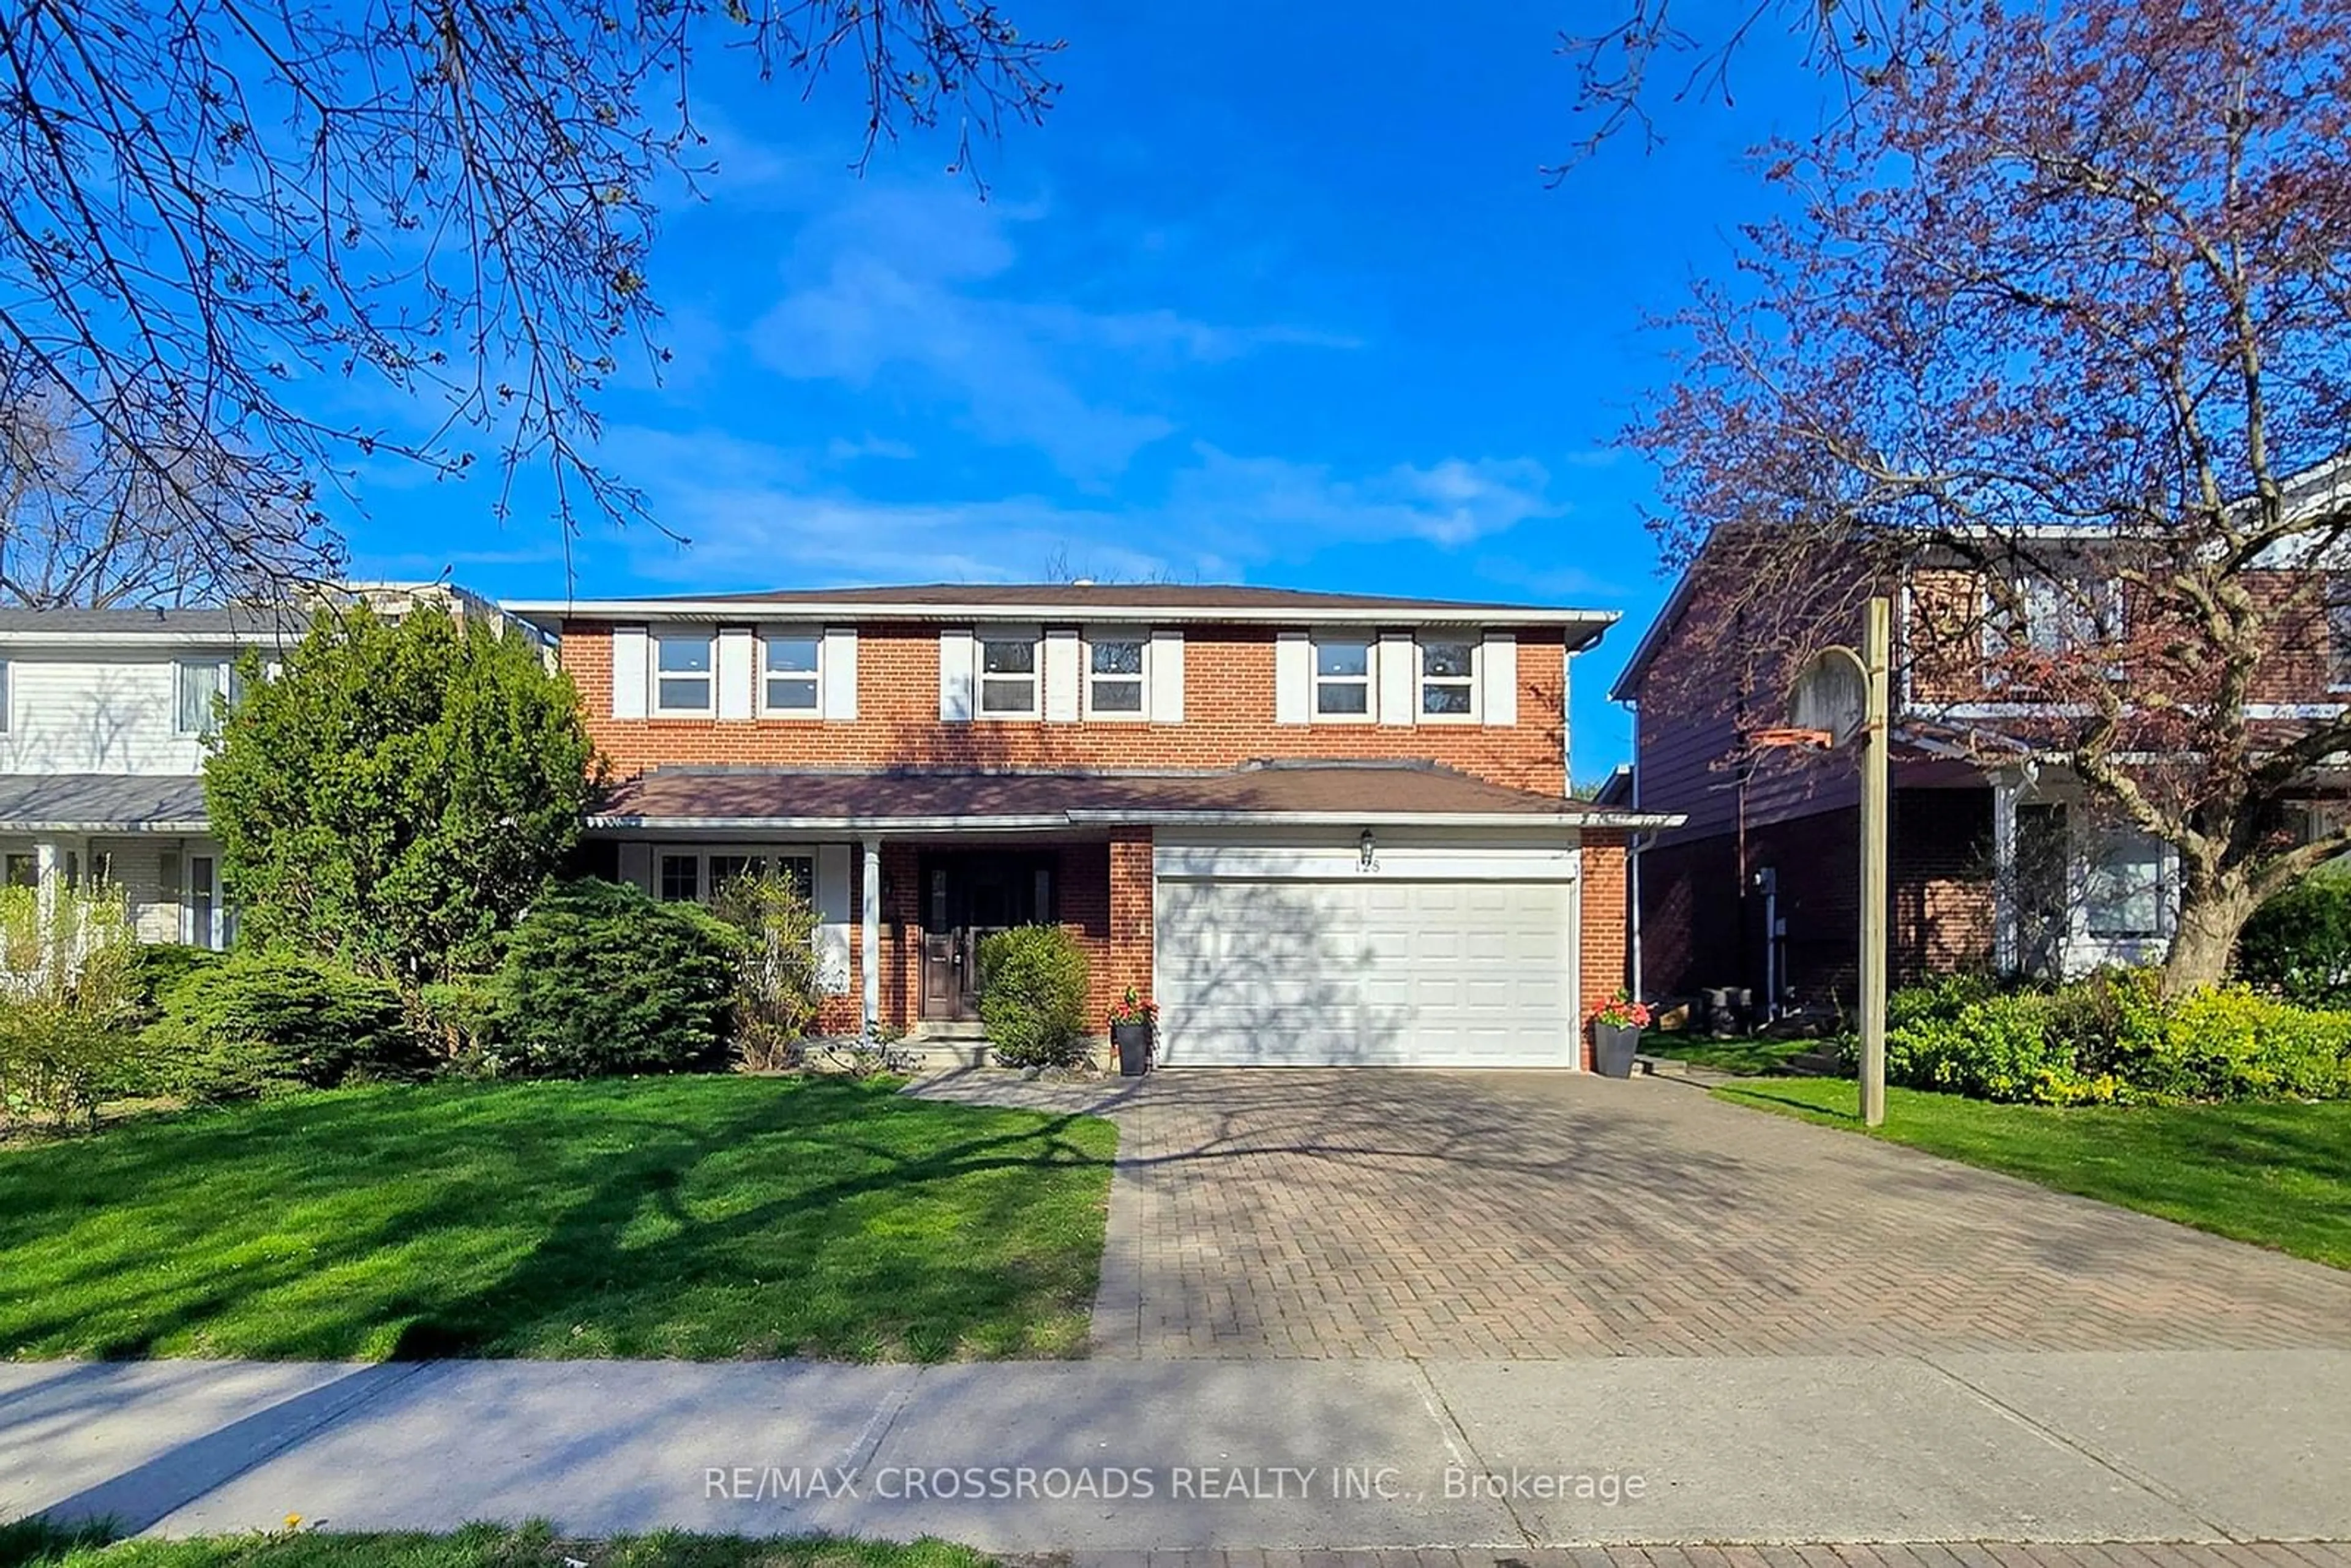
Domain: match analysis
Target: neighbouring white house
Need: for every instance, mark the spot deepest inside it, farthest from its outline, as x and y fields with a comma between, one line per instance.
x=104, y=714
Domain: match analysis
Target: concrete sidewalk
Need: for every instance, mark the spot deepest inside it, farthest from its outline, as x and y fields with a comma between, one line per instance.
x=2137, y=1446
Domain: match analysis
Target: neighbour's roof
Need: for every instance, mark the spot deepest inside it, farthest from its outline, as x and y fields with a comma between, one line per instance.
x=1039, y=600
x=1335, y=792
x=100, y=803
x=180, y=622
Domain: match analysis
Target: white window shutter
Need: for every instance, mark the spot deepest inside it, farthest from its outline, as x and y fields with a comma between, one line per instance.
x=1163, y=668
x=738, y=671
x=955, y=676
x=840, y=698
x=1498, y=673
x=1060, y=673
x=1395, y=672
x=1293, y=678
x=636, y=864
x=834, y=918
x=629, y=674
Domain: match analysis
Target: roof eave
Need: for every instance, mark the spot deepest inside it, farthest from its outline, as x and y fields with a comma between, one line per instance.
x=171, y=828
x=1104, y=817
x=552, y=613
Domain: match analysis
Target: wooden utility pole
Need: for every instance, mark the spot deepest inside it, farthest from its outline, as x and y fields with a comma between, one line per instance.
x=1877, y=734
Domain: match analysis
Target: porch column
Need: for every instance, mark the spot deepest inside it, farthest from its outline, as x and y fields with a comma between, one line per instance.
x=49, y=871
x=869, y=910
x=2005, y=957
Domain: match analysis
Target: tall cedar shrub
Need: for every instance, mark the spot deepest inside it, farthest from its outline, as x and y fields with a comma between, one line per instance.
x=1032, y=996
x=399, y=793
x=600, y=978
x=266, y=1023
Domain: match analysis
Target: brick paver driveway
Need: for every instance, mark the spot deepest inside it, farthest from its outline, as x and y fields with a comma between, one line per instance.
x=1386, y=1213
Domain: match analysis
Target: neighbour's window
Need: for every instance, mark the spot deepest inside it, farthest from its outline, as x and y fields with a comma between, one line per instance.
x=2338, y=632
x=22, y=870
x=1115, y=676
x=1008, y=677
x=199, y=686
x=101, y=868
x=2125, y=893
x=681, y=878
x=1342, y=676
x=2059, y=614
x=1445, y=679
x=682, y=678
x=791, y=671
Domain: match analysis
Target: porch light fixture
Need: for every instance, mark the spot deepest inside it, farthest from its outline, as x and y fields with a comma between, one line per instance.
x=1367, y=848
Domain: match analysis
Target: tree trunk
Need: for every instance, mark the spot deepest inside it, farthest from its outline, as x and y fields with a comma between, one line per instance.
x=2210, y=916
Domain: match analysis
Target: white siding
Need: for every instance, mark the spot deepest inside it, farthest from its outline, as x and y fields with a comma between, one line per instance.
x=1293, y=678
x=1396, y=677
x=839, y=661
x=1062, y=655
x=629, y=674
x=1497, y=670
x=1163, y=667
x=955, y=699
x=98, y=716
x=834, y=917
x=739, y=672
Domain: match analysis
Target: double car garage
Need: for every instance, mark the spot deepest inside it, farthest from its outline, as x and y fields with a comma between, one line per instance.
x=1448, y=950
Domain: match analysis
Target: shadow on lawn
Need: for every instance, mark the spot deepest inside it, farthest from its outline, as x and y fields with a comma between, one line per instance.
x=700, y=1217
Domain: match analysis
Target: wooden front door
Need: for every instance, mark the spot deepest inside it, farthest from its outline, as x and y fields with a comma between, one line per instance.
x=965, y=896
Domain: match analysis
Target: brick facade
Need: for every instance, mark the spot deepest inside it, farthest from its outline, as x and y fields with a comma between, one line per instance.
x=1229, y=693
x=1103, y=882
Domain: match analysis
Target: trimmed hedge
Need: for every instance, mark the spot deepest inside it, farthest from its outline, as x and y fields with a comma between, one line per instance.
x=264, y=1022
x=2110, y=1039
x=601, y=979
x=1032, y=997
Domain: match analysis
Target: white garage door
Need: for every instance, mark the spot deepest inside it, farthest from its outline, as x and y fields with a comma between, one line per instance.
x=1366, y=972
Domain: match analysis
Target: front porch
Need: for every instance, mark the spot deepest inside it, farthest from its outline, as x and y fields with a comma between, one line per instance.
x=901, y=916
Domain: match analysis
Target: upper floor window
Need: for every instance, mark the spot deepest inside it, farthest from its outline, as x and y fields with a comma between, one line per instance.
x=2058, y=613
x=789, y=683
x=1447, y=678
x=1008, y=677
x=1115, y=676
x=1343, y=677
x=682, y=672
x=199, y=686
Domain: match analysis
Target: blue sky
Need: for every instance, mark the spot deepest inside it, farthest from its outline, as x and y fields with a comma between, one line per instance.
x=1278, y=295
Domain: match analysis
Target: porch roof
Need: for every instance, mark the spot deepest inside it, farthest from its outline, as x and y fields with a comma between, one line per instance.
x=100, y=803
x=1267, y=793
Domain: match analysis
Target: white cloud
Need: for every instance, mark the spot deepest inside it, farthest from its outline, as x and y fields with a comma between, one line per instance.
x=761, y=516
x=921, y=282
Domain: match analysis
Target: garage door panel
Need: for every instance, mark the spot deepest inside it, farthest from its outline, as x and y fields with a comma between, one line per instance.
x=1369, y=972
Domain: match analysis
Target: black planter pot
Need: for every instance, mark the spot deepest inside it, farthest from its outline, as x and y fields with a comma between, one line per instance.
x=1614, y=1046
x=1132, y=1043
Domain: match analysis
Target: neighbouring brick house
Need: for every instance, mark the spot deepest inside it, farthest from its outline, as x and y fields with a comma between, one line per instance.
x=1999, y=862
x=1320, y=828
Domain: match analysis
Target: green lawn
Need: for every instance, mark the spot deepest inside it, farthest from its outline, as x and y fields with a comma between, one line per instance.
x=1759, y=1058
x=701, y=1218
x=2277, y=1175
x=475, y=1546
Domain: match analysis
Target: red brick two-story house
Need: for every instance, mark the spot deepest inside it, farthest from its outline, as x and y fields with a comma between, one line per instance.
x=2000, y=860
x=1319, y=828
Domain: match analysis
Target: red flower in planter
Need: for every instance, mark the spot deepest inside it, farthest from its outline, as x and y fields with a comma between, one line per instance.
x=1621, y=1011
x=1133, y=1009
